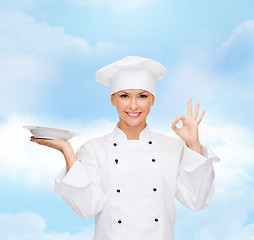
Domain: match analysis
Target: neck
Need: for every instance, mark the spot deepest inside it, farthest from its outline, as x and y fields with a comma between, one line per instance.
x=132, y=132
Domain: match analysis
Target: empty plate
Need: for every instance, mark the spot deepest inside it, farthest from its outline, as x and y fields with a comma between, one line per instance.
x=51, y=133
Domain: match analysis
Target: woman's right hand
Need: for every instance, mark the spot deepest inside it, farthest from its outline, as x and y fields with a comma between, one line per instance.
x=61, y=145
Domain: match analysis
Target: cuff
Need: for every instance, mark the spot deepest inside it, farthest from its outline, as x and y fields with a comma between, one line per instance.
x=192, y=160
x=77, y=176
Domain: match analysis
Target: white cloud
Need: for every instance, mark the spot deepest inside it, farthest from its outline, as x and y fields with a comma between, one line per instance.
x=229, y=214
x=242, y=36
x=222, y=78
x=22, y=35
x=32, y=164
x=34, y=55
x=235, y=146
x=124, y=6
x=30, y=58
x=236, y=54
x=23, y=4
x=189, y=79
x=31, y=226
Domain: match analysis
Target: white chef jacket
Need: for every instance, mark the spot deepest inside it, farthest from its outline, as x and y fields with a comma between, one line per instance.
x=130, y=185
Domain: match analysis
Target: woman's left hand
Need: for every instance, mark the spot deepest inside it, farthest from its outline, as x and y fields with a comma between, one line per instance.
x=189, y=131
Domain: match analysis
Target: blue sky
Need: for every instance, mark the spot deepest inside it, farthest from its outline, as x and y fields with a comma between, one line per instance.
x=49, y=53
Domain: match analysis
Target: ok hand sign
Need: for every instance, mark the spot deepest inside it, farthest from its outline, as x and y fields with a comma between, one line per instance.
x=189, y=131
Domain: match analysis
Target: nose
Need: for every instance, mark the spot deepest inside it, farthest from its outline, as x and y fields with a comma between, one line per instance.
x=133, y=104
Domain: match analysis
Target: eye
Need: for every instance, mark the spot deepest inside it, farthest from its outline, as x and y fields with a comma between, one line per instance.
x=143, y=96
x=123, y=95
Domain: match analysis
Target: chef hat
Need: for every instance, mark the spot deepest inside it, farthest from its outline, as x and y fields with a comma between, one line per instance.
x=131, y=73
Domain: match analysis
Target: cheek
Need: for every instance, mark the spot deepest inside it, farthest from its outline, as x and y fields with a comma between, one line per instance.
x=121, y=105
x=146, y=105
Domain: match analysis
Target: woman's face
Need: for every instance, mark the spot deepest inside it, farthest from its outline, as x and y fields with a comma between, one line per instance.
x=132, y=105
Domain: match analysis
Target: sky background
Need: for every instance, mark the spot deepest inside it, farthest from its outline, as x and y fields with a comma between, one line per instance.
x=49, y=53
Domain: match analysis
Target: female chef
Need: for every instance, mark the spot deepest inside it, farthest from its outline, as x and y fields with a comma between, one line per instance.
x=128, y=179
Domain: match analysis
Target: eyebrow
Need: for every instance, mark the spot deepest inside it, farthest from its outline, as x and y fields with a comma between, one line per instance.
x=138, y=93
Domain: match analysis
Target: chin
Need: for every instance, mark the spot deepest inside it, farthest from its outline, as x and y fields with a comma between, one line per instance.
x=134, y=123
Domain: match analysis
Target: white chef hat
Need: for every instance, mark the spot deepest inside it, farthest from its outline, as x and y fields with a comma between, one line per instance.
x=131, y=73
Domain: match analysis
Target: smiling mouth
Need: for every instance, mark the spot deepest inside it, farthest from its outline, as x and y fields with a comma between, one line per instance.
x=133, y=114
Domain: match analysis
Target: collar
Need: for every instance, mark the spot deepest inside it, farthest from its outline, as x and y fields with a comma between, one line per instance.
x=120, y=135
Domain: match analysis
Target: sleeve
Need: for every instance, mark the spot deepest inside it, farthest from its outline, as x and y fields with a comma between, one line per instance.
x=81, y=186
x=195, y=186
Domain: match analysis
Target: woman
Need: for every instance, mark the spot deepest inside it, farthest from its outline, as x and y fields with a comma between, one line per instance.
x=129, y=178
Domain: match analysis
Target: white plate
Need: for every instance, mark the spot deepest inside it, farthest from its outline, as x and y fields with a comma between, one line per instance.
x=51, y=133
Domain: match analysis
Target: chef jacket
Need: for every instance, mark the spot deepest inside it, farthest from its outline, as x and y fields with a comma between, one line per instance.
x=130, y=185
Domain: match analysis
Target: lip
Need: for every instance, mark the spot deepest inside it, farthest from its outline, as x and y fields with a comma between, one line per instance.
x=133, y=113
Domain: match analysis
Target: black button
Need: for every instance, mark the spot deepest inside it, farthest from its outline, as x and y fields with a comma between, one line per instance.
x=156, y=219
x=155, y=189
x=119, y=221
x=116, y=160
x=153, y=160
x=118, y=190
x=115, y=144
x=150, y=142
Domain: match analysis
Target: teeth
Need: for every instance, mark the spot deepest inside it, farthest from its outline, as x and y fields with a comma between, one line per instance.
x=133, y=114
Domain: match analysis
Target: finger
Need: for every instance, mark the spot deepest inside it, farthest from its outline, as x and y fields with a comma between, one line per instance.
x=38, y=140
x=195, y=115
x=175, y=129
x=32, y=139
x=180, y=117
x=201, y=116
x=189, y=112
x=41, y=141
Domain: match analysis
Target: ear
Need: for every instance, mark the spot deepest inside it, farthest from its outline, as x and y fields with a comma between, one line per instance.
x=153, y=98
x=112, y=99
